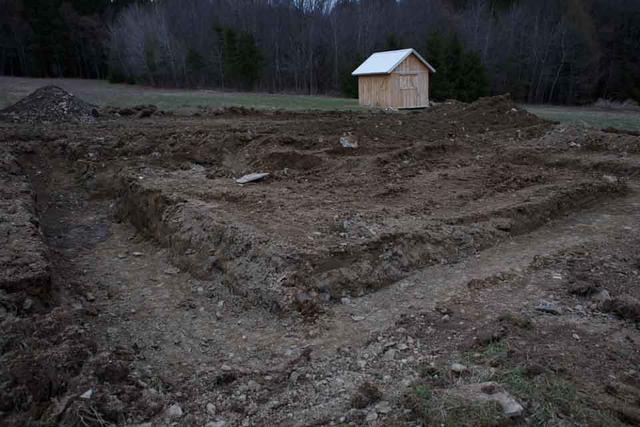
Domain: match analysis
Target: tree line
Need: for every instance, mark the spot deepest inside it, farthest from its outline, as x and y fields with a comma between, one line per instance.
x=558, y=51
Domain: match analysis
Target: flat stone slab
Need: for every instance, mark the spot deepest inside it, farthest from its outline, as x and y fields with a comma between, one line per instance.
x=489, y=392
x=253, y=177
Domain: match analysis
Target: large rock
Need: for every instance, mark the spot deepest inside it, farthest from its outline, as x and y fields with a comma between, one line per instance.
x=489, y=392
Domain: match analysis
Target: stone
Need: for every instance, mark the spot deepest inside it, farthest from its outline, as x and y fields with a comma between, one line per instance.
x=549, y=307
x=87, y=394
x=371, y=416
x=458, y=368
x=90, y=297
x=215, y=424
x=490, y=392
x=601, y=296
x=389, y=354
x=171, y=271
x=358, y=318
x=345, y=300
x=294, y=376
x=383, y=407
x=252, y=177
x=211, y=409
x=137, y=254
x=174, y=411
x=348, y=142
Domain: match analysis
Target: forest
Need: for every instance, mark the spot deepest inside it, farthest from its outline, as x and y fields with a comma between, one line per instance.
x=540, y=51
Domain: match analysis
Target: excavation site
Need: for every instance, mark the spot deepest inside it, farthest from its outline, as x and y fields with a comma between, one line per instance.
x=465, y=264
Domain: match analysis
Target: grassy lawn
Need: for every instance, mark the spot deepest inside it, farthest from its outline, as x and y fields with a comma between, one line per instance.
x=590, y=117
x=103, y=93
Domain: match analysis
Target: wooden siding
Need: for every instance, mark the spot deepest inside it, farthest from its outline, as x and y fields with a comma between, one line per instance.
x=406, y=87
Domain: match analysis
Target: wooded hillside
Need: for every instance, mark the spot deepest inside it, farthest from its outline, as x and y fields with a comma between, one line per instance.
x=560, y=51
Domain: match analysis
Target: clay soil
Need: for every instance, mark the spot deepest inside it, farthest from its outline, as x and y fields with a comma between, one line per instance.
x=337, y=291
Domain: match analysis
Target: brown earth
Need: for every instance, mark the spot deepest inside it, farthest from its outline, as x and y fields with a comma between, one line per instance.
x=338, y=290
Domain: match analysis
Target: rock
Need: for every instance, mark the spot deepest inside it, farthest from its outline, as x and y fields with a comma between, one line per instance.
x=345, y=300
x=358, y=318
x=348, y=142
x=389, y=354
x=171, y=271
x=28, y=304
x=549, y=307
x=137, y=254
x=371, y=416
x=601, y=296
x=90, y=297
x=458, y=368
x=490, y=392
x=294, y=376
x=174, y=411
x=252, y=177
x=211, y=409
x=87, y=394
x=383, y=407
x=215, y=424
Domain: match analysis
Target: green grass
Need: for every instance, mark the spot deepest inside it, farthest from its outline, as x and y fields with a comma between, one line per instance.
x=102, y=93
x=590, y=117
x=551, y=399
x=441, y=409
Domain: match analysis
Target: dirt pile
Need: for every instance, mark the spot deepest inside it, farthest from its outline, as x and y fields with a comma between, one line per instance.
x=50, y=104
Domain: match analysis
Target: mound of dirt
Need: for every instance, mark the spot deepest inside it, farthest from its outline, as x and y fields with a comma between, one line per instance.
x=50, y=104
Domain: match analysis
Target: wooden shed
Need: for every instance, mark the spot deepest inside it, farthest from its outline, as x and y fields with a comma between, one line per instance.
x=395, y=79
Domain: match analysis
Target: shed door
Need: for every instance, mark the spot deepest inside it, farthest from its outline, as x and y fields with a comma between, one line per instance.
x=409, y=90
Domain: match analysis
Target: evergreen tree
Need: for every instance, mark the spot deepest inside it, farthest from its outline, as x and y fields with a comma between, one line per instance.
x=242, y=58
x=393, y=42
x=459, y=74
x=349, y=83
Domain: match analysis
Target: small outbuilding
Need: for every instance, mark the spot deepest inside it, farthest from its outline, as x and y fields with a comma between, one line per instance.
x=394, y=79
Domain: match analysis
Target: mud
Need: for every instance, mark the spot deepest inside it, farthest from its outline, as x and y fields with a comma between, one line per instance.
x=326, y=290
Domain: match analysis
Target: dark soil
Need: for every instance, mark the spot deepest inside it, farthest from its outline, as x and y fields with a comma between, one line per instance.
x=50, y=104
x=339, y=290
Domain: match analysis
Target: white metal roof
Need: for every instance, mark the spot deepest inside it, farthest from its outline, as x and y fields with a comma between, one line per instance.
x=386, y=62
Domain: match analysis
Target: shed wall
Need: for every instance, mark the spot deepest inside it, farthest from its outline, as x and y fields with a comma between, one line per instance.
x=406, y=87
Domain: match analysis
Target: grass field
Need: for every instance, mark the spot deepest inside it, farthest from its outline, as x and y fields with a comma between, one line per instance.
x=590, y=117
x=103, y=93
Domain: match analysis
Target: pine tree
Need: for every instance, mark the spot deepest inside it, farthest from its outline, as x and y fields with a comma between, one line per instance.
x=459, y=74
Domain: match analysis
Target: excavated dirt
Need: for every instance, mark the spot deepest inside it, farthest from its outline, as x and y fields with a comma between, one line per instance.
x=149, y=286
x=50, y=104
